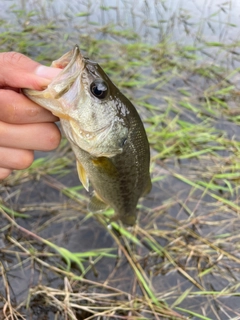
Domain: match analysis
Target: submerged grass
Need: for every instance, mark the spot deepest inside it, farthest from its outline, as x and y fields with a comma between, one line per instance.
x=181, y=260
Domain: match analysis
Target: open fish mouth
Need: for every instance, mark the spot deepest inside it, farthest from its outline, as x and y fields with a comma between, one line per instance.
x=66, y=62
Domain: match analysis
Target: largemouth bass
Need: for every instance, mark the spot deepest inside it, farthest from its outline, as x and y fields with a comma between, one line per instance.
x=105, y=133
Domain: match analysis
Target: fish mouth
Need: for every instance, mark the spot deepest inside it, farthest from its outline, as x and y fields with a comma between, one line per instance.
x=66, y=61
x=76, y=57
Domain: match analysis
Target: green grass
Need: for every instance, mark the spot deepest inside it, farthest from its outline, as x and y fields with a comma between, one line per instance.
x=181, y=260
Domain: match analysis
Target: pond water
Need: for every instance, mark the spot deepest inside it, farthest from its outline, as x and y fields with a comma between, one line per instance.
x=45, y=196
x=217, y=20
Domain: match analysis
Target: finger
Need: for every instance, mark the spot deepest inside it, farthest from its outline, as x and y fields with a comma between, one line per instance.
x=4, y=173
x=19, y=71
x=15, y=158
x=39, y=136
x=16, y=108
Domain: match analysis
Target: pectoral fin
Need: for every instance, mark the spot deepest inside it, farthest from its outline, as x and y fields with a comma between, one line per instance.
x=105, y=165
x=96, y=204
x=82, y=176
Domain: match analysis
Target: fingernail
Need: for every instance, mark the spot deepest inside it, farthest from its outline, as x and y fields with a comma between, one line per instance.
x=47, y=72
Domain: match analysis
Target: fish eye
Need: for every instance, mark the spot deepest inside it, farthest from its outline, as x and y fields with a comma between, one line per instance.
x=99, y=89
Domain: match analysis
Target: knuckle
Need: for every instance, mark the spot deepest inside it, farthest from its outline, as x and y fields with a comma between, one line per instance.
x=12, y=109
x=8, y=111
x=11, y=58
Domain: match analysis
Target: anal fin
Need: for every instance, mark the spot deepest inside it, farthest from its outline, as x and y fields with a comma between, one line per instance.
x=96, y=204
x=82, y=175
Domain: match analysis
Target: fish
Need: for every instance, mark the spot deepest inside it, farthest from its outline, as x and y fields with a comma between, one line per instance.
x=105, y=132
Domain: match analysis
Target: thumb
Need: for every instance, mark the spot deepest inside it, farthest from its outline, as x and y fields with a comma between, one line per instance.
x=19, y=71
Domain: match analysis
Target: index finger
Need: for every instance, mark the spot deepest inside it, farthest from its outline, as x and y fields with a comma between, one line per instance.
x=19, y=71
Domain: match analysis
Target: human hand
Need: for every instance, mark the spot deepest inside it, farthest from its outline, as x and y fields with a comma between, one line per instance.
x=24, y=125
